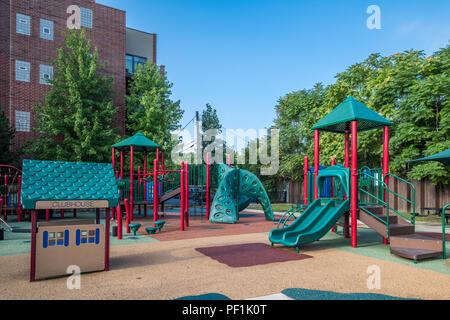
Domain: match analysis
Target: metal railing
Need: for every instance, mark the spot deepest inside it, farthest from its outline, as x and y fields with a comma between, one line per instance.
x=290, y=214
x=411, y=202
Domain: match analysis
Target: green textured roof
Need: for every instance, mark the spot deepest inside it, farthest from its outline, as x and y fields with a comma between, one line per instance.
x=443, y=157
x=139, y=142
x=67, y=181
x=339, y=119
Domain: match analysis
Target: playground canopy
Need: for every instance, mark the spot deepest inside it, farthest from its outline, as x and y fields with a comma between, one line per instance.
x=68, y=185
x=338, y=120
x=443, y=157
x=140, y=143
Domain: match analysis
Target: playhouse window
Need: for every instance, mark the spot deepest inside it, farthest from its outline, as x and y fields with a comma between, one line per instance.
x=56, y=239
x=88, y=237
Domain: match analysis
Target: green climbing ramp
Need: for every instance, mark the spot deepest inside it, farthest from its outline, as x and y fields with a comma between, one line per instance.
x=237, y=186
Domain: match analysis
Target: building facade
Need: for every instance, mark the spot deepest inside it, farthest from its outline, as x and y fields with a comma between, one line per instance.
x=31, y=32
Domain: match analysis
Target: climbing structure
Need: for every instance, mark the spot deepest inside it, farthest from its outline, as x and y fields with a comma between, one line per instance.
x=235, y=191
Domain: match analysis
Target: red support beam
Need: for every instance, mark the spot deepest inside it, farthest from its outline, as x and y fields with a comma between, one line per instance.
x=19, y=204
x=62, y=214
x=186, y=190
x=347, y=165
x=33, y=246
x=182, y=194
x=119, y=222
x=316, y=162
x=145, y=176
x=305, y=181
x=47, y=215
x=131, y=183
x=333, y=163
x=114, y=159
x=121, y=165
x=107, y=235
x=386, y=167
x=354, y=192
x=97, y=216
x=155, y=191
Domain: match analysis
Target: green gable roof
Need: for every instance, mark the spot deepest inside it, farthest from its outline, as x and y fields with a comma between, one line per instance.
x=139, y=142
x=443, y=157
x=67, y=181
x=339, y=120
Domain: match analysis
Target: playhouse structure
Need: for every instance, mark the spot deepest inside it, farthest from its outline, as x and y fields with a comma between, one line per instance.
x=360, y=194
x=55, y=246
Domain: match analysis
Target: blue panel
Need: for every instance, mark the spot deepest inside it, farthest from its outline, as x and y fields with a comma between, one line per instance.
x=83, y=241
x=91, y=240
x=78, y=237
x=97, y=236
x=66, y=238
x=60, y=243
x=45, y=242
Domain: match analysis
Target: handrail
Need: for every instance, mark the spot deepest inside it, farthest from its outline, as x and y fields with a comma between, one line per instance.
x=444, y=255
x=290, y=213
x=412, y=202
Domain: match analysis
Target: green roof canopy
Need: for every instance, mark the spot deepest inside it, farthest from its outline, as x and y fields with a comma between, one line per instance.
x=139, y=142
x=68, y=185
x=339, y=120
x=443, y=157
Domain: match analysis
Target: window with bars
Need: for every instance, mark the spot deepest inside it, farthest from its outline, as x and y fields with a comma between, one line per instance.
x=22, y=71
x=86, y=17
x=22, y=121
x=46, y=29
x=23, y=23
x=45, y=74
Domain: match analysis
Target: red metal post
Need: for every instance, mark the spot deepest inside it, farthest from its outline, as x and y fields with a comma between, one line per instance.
x=131, y=182
x=107, y=235
x=97, y=216
x=47, y=215
x=139, y=186
x=62, y=214
x=386, y=167
x=119, y=222
x=33, y=246
x=121, y=165
x=145, y=176
x=347, y=165
x=127, y=212
x=6, y=196
x=19, y=203
x=74, y=213
x=305, y=182
x=155, y=191
x=316, y=162
x=186, y=190
x=182, y=194
x=354, y=193
x=333, y=163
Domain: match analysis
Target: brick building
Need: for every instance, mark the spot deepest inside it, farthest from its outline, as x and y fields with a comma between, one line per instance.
x=32, y=30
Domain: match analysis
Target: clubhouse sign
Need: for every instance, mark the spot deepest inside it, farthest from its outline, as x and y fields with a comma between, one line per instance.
x=74, y=204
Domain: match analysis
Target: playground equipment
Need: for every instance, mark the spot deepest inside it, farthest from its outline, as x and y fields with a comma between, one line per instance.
x=164, y=182
x=236, y=189
x=10, y=188
x=65, y=185
x=366, y=192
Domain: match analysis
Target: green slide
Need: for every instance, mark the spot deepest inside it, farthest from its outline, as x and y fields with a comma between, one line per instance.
x=237, y=187
x=312, y=225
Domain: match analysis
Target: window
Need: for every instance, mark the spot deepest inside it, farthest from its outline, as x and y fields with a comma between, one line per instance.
x=22, y=24
x=55, y=239
x=46, y=29
x=22, y=121
x=22, y=71
x=86, y=17
x=45, y=74
x=133, y=61
x=88, y=237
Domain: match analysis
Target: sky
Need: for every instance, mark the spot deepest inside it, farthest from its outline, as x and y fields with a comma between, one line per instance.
x=242, y=56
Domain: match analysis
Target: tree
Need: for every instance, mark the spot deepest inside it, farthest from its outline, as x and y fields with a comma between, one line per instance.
x=6, y=137
x=76, y=116
x=149, y=107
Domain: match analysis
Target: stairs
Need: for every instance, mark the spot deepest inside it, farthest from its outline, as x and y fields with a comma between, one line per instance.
x=404, y=241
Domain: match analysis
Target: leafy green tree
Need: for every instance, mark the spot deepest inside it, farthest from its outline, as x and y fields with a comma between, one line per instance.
x=149, y=107
x=6, y=141
x=76, y=116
